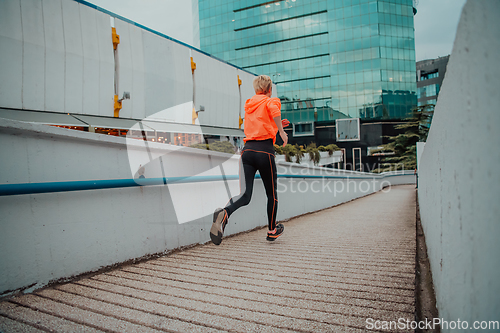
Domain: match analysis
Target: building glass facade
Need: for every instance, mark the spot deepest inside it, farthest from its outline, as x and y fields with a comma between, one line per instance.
x=430, y=76
x=330, y=59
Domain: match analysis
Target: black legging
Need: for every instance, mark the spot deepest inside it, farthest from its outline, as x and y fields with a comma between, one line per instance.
x=257, y=155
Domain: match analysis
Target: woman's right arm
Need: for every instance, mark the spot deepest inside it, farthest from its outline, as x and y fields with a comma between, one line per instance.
x=281, y=131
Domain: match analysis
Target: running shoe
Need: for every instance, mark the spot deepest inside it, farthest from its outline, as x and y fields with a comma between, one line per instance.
x=278, y=231
x=217, y=230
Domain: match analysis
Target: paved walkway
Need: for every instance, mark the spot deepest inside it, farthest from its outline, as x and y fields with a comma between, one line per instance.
x=330, y=272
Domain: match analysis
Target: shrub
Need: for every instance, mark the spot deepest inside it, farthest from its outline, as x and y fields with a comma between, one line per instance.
x=299, y=151
x=313, y=153
x=278, y=149
x=289, y=151
x=330, y=148
x=222, y=146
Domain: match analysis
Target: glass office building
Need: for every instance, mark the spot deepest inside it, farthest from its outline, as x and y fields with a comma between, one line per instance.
x=430, y=75
x=329, y=58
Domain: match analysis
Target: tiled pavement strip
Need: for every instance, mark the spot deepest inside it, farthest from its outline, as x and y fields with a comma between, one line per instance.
x=329, y=272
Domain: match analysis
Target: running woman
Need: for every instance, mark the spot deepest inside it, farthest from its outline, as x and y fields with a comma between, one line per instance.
x=262, y=122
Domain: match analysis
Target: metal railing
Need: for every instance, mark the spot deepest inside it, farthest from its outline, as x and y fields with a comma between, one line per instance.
x=83, y=185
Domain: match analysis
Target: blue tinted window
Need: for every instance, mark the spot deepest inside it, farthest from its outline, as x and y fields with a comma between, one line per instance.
x=429, y=76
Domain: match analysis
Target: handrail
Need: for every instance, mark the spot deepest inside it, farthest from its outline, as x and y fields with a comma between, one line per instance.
x=82, y=185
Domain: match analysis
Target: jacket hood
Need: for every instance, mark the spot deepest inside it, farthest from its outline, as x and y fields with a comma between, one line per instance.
x=255, y=102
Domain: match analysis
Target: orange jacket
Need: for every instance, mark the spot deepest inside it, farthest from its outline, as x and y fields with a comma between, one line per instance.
x=259, y=113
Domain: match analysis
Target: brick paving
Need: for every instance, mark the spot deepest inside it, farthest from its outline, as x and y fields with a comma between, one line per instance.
x=329, y=272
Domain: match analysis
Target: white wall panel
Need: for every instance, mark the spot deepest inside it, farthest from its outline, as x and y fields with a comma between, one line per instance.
x=125, y=66
x=206, y=87
x=137, y=91
x=73, y=98
x=247, y=91
x=247, y=86
x=106, y=65
x=11, y=54
x=213, y=86
x=155, y=75
x=233, y=102
x=217, y=90
x=181, y=66
x=202, y=93
x=222, y=84
x=33, y=55
x=54, y=55
x=217, y=85
x=230, y=96
x=90, y=61
x=161, y=86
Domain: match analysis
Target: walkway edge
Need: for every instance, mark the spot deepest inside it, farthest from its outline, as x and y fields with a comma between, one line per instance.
x=425, y=297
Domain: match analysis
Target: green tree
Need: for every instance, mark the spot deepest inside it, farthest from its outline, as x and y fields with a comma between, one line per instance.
x=401, y=151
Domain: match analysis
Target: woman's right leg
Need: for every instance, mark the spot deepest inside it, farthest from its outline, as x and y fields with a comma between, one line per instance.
x=247, y=175
x=221, y=216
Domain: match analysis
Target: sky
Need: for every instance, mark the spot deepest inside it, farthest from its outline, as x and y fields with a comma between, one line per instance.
x=171, y=17
x=435, y=27
x=435, y=23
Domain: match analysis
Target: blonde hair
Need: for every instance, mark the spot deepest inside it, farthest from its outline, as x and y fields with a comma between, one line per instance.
x=262, y=84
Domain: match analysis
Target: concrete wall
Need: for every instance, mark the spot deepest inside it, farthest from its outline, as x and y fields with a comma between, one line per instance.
x=458, y=173
x=57, y=55
x=49, y=236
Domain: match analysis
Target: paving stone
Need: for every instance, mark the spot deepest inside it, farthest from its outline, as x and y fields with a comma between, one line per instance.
x=40, y=319
x=77, y=314
x=15, y=326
